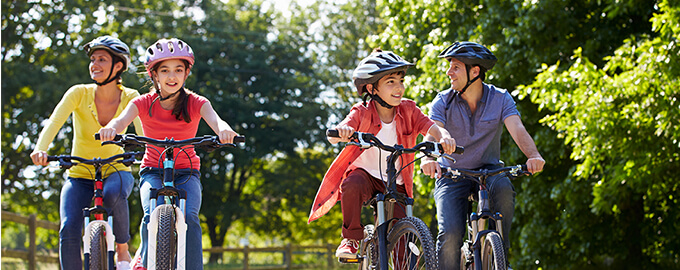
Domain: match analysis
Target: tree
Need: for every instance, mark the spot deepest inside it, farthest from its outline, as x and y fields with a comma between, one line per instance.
x=622, y=126
x=258, y=77
x=523, y=35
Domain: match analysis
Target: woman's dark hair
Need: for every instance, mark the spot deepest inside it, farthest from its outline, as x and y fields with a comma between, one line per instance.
x=181, y=109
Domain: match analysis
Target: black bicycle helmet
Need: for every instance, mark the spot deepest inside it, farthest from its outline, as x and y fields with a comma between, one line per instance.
x=471, y=54
x=115, y=47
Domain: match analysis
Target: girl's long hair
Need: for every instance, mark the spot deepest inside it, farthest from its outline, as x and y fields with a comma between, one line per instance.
x=181, y=108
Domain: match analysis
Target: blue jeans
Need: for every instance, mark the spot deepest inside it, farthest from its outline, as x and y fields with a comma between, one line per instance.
x=76, y=194
x=451, y=199
x=185, y=179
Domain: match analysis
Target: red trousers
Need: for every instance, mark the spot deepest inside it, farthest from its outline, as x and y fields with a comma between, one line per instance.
x=357, y=188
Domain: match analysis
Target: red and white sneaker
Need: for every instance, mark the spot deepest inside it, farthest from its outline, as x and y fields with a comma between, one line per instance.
x=348, y=249
x=137, y=263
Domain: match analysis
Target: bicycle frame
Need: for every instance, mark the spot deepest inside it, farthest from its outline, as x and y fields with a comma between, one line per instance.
x=385, y=201
x=172, y=195
x=476, y=229
x=98, y=209
x=170, y=192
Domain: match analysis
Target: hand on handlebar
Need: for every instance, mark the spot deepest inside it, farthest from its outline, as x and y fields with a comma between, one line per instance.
x=39, y=158
x=107, y=134
x=431, y=168
x=535, y=164
x=449, y=144
x=227, y=135
x=344, y=132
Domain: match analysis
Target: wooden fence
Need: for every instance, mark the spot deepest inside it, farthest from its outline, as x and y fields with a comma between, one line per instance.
x=31, y=255
x=326, y=261
x=289, y=250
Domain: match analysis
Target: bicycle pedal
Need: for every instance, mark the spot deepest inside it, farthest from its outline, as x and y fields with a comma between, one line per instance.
x=358, y=259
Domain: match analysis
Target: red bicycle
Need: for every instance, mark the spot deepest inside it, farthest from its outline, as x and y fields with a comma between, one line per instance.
x=98, y=238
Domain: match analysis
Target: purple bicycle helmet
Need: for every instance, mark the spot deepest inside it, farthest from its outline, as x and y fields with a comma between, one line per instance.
x=165, y=49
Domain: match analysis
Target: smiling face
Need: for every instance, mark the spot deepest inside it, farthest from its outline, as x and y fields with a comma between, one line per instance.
x=170, y=76
x=457, y=74
x=390, y=88
x=100, y=65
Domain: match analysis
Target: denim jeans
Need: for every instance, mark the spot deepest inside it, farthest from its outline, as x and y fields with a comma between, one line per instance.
x=185, y=179
x=451, y=199
x=77, y=194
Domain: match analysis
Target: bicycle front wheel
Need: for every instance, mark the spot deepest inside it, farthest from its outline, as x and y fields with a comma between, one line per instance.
x=98, y=247
x=410, y=246
x=493, y=254
x=166, y=248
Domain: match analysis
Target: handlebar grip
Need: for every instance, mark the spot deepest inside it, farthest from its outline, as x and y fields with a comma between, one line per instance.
x=52, y=158
x=239, y=139
x=459, y=150
x=332, y=133
x=118, y=137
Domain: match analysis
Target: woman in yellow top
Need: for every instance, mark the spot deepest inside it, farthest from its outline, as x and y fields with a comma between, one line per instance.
x=93, y=106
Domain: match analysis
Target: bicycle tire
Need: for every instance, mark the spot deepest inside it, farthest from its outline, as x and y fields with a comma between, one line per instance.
x=166, y=249
x=493, y=254
x=98, y=249
x=410, y=246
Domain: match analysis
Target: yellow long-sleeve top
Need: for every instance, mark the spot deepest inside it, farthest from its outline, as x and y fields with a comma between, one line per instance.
x=79, y=100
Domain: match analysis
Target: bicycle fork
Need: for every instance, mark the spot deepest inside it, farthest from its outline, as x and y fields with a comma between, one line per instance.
x=180, y=226
x=168, y=191
x=87, y=240
x=478, y=224
x=99, y=212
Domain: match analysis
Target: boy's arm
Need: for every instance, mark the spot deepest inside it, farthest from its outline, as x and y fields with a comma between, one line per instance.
x=429, y=166
x=347, y=127
x=522, y=138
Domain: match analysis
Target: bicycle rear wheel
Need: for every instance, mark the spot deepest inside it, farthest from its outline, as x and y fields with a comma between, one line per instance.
x=98, y=247
x=410, y=246
x=493, y=254
x=166, y=248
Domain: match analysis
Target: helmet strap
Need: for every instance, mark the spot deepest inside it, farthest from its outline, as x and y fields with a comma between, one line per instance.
x=159, y=97
x=381, y=101
x=469, y=82
x=109, y=78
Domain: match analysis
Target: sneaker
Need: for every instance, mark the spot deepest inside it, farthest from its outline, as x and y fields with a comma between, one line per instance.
x=137, y=263
x=123, y=265
x=348, y=249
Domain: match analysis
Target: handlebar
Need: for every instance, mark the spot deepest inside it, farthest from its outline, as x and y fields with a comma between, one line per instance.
x=480, y=176
x=209, y=142
x=65, y=161
x=366, y=140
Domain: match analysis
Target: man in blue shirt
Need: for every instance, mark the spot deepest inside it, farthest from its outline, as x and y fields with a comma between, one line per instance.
x=474, y=113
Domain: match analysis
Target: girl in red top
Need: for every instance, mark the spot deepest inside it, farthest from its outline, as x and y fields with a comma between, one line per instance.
x=171, y=112
x=355, y=176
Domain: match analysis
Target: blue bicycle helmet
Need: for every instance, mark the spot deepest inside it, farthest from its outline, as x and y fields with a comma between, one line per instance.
x=118, y=49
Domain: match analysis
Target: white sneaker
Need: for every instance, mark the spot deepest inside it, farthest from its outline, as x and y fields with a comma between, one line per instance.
x=123, y=265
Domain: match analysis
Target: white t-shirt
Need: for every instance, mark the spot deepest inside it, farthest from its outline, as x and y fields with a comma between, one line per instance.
x=368, y=159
